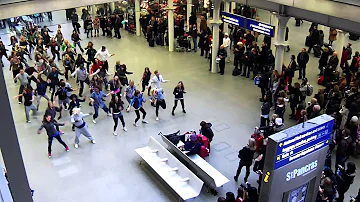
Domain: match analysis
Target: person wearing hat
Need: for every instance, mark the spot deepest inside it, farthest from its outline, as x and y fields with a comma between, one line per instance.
x=226, y=44
x=193, y=146
x=239, y=51
x=80, y=126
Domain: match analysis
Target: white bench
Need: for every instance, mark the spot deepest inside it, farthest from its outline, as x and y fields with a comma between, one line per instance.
x=211, y=177
x=185, y=183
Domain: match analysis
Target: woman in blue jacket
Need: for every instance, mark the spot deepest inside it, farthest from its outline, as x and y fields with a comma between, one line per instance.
x=137, y=103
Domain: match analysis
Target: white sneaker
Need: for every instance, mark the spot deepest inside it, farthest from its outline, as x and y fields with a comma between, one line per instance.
x=125, y=129
x=19, y=102
x=76, y=146
x=94, y=121
x=93, y=141
x=109, y=114
x=136, y=125
x=114, y=133
x=143, y=121
x=157, y=118
x=28, y=121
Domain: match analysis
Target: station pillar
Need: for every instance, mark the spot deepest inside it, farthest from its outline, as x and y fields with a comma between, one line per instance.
x=137, y=17
x=215, y=22
x=280, y=43
x=170, y=10
x=188, y=12
x=226, y=9
x=112, y=7
x=339, y=44
x=274, y=21
x=233, y=7
x=93, y=10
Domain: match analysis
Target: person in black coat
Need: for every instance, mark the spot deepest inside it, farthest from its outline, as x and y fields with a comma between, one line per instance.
x=290, y=70
x=121, y=72
x=103, y=25
x=178, y=92
x=192, y=19
x=207, y=131
x=353, y=67
x=323, y=60
x=302, y=60
x=295, y=98
x=344, y=179
x=239, y=50
x=222, y=54
x=314, y=38
x=246, y=155
x=117, y=26
x=287, y=38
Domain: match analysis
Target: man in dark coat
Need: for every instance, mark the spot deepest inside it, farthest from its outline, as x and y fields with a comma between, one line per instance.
x=75, y=20
x=314, y=38
x=302, y=60
x=117, y=26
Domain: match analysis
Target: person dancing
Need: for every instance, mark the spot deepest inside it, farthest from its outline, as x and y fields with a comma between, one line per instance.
x=145, y=80
x=50, y=127
x=115, y=106
x=96, y=99
x=29, y=98
x=77, y=119
x=178, y=92
x=137, y=103
x=159, y=96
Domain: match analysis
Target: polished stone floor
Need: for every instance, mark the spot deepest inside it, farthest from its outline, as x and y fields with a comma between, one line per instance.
x=109, y=171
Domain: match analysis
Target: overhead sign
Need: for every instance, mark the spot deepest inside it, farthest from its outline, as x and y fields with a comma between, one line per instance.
x=248, y=23
x=260, y=27
x=233, y=19
x=304, y=143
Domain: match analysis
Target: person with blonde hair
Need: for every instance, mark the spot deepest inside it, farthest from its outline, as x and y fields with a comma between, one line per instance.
x=246, y=155
x=77, y=118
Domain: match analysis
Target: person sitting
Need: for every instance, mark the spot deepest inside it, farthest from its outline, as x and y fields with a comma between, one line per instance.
x=192, y=145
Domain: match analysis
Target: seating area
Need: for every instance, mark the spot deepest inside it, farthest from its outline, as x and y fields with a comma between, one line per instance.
x=180, y=179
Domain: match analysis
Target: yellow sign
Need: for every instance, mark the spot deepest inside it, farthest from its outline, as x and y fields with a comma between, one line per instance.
x=267, y=176
x=281, y=144
x=278, y=158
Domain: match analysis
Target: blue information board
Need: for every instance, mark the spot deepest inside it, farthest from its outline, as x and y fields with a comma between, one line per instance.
x=260, y=27
x=233, y=19
x=300, y=142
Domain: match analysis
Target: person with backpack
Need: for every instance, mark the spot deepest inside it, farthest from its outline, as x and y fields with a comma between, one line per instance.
x=344, y=148
x=246, y=155
x=306, y=88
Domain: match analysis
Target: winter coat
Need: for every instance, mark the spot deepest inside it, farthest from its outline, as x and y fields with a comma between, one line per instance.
x=332, y=34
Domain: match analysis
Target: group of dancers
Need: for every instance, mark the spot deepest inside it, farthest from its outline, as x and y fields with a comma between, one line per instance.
x=93, y=72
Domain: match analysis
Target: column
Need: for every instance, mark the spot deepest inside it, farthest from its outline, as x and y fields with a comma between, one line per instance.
x=320, y=27
x=226, y=9
x=233, y=6
x=171, y=9
x=112, y=7
x=216, y=22
x=280, y=43
x=137, y=17
x=10, y=149
x=93, y=10
x=274, y=21
x=339, y=43
x=188, y=12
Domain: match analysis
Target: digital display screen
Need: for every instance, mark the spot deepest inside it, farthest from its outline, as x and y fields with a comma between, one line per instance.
x=298, y=194
x=233, y=19
x=302, y=144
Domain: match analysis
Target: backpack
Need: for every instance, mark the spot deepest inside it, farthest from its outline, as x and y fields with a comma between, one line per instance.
x=236, y=72
x=309, y=90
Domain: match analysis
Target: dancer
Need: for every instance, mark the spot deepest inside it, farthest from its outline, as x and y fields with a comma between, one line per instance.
x=178, y=92
x=90, y=52
x=96, y=99
x=137, y=103
x=156, y=80
x=75, y=37
x=114, y=85
x=68, y=64
x=159, y=96
x=53, y=80
x=52, y=132
x=62, y=92
x=103, y=55
x=145, y=80
x=102, y=73
x=23, y=77
x=28, y=102
x=121, y=72
x=129, y=93
x=77, y=118
x=41, y=87
x=74, y=103
x=82, y=76
x=116, y=106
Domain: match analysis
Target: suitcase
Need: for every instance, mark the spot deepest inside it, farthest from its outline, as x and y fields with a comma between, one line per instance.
x=321, y=80
x=158, y=41
x=317, y=51
x=353, y=37
x=204, y=152
x=236, y=72
x=151, y=42
x=307, y=41
x=203, y=140
x=297, y=22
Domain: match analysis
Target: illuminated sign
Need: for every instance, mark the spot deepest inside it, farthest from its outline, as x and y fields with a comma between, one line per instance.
x=301, y=171
x=297, y=146
x=233, y=19
x=260, y=27
x=249, y=24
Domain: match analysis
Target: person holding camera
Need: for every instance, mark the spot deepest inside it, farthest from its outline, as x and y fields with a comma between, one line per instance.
x=344, y=179
x=250, y=193
x=246, y=157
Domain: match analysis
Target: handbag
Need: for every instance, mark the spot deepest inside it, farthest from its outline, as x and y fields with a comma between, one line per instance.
x=89, y=27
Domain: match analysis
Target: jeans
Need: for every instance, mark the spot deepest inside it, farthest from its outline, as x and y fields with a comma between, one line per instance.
x=50, y=139
x=195, y=43
x=239, y=170
x=21, y=89
x=264, y=121
x=78, y=44
x=144, y=87
x=138, y=114
x=39, y=98
x=116, y=118
x=96, y=108
x=159, y=103
x=302, y=71
x=33, y=108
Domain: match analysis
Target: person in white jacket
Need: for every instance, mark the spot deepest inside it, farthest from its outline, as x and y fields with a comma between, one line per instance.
x=226, y=44
x=156, y=81
x=77, y=118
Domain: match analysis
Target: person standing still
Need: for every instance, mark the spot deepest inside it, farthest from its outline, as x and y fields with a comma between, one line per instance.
x=226, y=44
x=302, y=60
x=246, y=157
x=75, y=21
x=117, y=27
x=222, y=54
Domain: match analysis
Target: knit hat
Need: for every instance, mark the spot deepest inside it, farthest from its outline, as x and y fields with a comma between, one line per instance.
x=278, y=121
x=354, y=119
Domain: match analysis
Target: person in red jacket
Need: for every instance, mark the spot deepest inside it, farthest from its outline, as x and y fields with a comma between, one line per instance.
x=259, y=139
x=96, y=65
